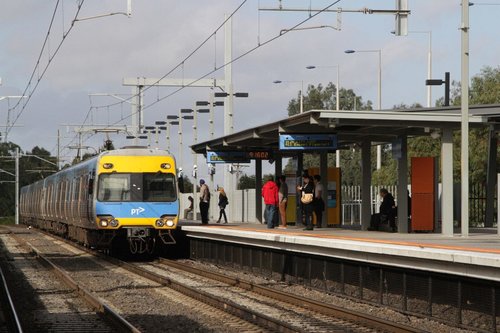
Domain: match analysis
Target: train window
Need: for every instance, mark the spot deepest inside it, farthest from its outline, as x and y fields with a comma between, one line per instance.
x=116, y=187
x=152, y=187
x=159, y=187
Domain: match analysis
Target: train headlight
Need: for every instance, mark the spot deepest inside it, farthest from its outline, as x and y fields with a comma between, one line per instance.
x=159, y=223
x=114, y=223
x=165, y=166
x=169, y=223
x=104, y=223
x=107, y=165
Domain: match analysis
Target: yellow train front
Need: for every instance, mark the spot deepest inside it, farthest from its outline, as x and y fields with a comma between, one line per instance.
x=137, y=193
x=127, y=195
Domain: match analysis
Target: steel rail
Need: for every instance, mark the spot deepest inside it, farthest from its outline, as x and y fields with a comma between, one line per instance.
x=9, y=308
x=93, y=301
x=225, y=305
x=244, y=313
x=310, y=304
x=214, y=301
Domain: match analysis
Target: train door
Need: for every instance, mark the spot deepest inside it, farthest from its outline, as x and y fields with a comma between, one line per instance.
x=91, y=196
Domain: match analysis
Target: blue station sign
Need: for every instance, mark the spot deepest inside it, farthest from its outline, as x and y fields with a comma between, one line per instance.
x=308, y=141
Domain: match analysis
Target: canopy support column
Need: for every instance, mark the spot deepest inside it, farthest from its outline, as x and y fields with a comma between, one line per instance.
x=323, y=169
x=403, y=187
x=447, y=181
x=491, y=177
x=258, y=190
x=366, y=182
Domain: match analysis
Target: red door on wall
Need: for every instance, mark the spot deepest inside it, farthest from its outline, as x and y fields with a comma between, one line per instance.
x=423, y=193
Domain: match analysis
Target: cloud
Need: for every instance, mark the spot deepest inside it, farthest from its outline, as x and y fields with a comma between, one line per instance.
x=99, y=53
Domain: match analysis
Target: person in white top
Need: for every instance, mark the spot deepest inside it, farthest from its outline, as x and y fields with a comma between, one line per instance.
x=319, y=204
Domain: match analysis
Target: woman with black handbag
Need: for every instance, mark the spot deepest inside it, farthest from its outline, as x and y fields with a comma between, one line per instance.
x=307, y=198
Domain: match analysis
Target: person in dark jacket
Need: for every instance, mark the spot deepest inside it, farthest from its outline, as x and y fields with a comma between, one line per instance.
x=307, y=188
x=270, y=195
x=223, y=201
x=386, y=214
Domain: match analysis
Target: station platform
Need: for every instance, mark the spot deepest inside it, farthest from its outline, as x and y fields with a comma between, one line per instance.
x=476, y=256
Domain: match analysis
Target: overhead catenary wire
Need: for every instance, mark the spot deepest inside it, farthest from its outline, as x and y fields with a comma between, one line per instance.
x=191, y=54
x=36, y=69
x=180, y=64
x=246, y=53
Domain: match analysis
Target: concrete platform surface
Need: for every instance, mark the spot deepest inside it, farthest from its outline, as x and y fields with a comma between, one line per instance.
x=475, y=256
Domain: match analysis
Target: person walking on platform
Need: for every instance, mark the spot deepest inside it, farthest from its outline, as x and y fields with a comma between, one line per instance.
x=319, y=204
x=223, y=202
x=283, y=200
x=204, y=201
x=386, y=212
x=270, y=195
x=307, y=198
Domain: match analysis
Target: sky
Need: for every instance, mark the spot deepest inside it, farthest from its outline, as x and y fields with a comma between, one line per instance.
x=97, y=54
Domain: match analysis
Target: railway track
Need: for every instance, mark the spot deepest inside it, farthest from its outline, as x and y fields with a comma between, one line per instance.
x=271, y=309
x=366, y=320
x=106, y=320
x=135, y=299
x=9, y=320
x=291, y=313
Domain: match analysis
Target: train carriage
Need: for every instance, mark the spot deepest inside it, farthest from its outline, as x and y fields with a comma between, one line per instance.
x=129, y=193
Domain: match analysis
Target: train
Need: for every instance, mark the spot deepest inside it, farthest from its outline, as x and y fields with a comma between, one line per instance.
x=128, y=195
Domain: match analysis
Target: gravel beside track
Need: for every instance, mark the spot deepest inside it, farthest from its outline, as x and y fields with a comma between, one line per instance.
x=147, y=305
x=379, y=311
x=302, y=320
x=44, y=303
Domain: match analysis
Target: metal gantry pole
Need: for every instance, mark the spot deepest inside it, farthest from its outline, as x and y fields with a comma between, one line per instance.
x=379, y=105
x=302, y=97
x=228, y=107
x=168, y=136
x=58, y=148
x=337, y=102
x=429, y=71
x=195, y=157
x=180, y=141
x=212, y=134
x=17, y=185
x=465, y=118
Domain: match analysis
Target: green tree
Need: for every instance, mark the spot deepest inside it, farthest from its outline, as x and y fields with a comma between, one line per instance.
x=246, y=182
x=484, y=89
x=324, y=98
x=31, y=169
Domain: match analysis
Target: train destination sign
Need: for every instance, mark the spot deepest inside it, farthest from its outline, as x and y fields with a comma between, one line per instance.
x=237, y=156
x=308, y=141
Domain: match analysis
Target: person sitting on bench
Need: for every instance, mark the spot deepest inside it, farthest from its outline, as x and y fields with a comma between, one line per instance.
x=386, y=215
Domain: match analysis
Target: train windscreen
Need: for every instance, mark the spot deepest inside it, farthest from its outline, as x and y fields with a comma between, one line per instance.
x=134, y=187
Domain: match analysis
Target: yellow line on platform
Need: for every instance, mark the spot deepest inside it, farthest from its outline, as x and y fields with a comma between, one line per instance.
x=368, y=240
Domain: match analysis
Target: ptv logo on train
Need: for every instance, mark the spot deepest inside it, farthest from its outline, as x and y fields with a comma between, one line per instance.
x=136, y=211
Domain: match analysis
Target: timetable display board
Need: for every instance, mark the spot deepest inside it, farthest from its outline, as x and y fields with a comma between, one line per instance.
x=238, y=156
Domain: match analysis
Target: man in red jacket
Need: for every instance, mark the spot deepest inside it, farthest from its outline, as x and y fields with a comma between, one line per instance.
x=270, y=195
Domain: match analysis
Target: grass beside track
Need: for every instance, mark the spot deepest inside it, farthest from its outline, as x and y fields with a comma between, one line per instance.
x=7, y=219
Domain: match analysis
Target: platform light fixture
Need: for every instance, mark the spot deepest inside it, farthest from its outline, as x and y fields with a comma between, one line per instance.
x=438, y=82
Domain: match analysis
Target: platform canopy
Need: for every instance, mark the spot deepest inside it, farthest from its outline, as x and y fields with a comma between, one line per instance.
x=354, y=126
